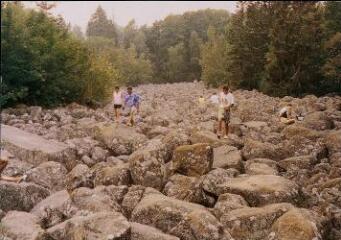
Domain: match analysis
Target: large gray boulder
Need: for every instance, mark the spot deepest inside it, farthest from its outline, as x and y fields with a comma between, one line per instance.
x=53, y=209
x=120, y=139
x=185, y=220
x=227, y=157
x=21, y=225
x=193, y=160
x=35, y=149
x=297, y=224
x=143, y=232
x=253, y=223
x=50, y=175
x=256, y=189
x=79, y=176
x=94, y=200
x=21, y=197
x=112, y=175
x=186, y=188
x=101, y=225
x=147, y=165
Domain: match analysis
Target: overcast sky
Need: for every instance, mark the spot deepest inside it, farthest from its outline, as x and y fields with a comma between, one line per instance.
x=146, y=12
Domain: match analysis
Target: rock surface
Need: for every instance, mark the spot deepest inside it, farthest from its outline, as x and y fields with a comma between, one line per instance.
x=21, y=225
x=169, y=177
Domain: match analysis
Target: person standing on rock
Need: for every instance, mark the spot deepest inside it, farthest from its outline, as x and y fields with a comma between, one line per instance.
x=132, y=103
x=202, y=106
x=118, y=100
x=214, y=99
x=226, y=101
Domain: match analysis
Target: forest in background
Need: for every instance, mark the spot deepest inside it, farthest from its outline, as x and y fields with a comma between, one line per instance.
x=280, y=48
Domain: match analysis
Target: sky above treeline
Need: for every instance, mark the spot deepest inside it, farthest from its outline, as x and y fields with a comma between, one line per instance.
x=144, y=12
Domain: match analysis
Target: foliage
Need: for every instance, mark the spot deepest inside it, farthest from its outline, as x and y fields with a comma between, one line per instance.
x=213, y=60
x=100, y=26
x=42, y=63
x=281, y=48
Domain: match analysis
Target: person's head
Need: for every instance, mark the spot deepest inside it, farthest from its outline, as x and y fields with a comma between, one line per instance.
x=117, y=88
x=225, y=89
x=129, y=90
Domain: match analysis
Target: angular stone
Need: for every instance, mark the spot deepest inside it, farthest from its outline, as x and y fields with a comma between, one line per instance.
x=21, y=197
x=99, y=154
x=50, y=175
x=296, y=224
x=117, y=175
x=255, y=125
x=205, y=137
x=80, y=176
x=117, y=193
x=317, y=120
x=294, y=130
x=256, y=149
x=185, y=220
x=227, y=157
x=102, y=225
x=148, y=166
x=21, y=225
x=35, y=149
x=333, y=142
x=53, y=209
x=214, y=181
x=296, y=163
x=143, y=232
x=132, y=198
x=16, y=167
x=256, y=189
x=185, y=188
x=94, y=200
x=193, y=160
x=253, y=223
x=173, y=140
x=122, y=140
x=257, y=167
x=228, y=202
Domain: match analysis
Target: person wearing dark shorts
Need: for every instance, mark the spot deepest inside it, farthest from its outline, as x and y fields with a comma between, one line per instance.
x=118, y=101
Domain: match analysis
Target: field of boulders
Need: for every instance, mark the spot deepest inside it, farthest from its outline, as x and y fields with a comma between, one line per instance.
x=170, y=177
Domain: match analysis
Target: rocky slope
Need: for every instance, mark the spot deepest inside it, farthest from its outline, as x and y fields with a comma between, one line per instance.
x=170, y=177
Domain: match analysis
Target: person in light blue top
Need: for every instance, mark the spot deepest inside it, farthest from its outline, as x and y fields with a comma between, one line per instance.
x=132, y=103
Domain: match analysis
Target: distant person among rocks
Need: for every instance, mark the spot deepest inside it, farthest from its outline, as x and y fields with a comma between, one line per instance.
x=132, y=103
x=226, y=101
x=286, y=114
x=202, y=106
x=3, y=164
x=118, y=101
x=214, y=99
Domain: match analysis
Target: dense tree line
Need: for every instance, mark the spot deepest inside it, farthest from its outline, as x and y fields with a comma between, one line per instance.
x=42, y=63
x=281, y=48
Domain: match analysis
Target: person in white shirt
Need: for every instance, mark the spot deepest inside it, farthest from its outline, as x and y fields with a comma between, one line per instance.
x=214, y=99
x=118, y=102
x=286, y=115
x=226, y=101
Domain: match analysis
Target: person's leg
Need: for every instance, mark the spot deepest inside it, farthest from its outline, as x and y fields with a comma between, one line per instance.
x=118, y=112
x=226, y=129
x=11, y=179
x=220, y=126
x=115, y=111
